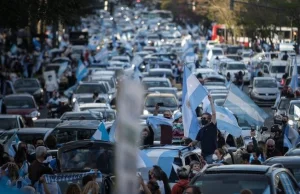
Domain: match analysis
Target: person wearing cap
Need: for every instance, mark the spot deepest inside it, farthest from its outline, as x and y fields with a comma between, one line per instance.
x=177, y=125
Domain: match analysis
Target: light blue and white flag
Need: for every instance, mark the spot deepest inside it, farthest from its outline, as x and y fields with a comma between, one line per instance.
x=291, y=134
x=287, y=143
x=164, y=158
x=294, y=80
x=101, y=133
x=137, y=75
x=81, y=71
x=112, y=132
x=137, y=60
x=9, y=145
x=62, y=69
x=68, y=93
x=143, y=160
x=227, y=121
x=193, y=93
x=102, y=55
x=240, y=104
x=155, y=121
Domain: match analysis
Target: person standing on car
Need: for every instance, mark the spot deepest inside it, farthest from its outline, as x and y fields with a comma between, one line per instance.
x=207, y=135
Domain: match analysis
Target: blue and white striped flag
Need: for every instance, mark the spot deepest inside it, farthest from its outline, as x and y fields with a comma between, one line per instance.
x=287, y=143
x=101, y=133
x=143, y=160
x=193, y=93
x=155, y=121
x=9, y=145
x=81, y=71
x=68, y=93
x=294, y=80
x=227, y=121
x=62, y=69
x=112, y=132
x=291, y=134
x=240, y=104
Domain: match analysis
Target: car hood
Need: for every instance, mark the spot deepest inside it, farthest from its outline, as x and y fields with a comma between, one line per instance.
x=266, y=90
x=22, y=112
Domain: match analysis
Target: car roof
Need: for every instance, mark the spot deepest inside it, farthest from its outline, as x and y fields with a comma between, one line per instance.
x=160, y=70
x=292, y=152
x=30, y=130
x=79, y=124
x=237, y=168
x=47, y=120
x=284, y=160
x=204, y=70
x=235, y=62
x=160, y=94
x=155, y=79
x=18, y=95
x=80, y=143
x=99, y=105
x=264, y=78
x=161, y=88
x=9, y=116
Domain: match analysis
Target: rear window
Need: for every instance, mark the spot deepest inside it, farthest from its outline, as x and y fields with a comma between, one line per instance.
x=91, y=88
x=19, y=102
x=45, y=124
x=150, y=84
x=64, y=135
x=232, y=183
x=167, y=101
x=8, y=123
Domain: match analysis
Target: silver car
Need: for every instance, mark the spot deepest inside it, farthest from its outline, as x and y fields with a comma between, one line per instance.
x=264, y=90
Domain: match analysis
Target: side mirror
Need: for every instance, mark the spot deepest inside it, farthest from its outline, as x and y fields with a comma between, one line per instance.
x=250, y=86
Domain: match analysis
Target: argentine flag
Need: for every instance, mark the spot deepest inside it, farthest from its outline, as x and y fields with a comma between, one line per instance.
x=294, y=80
x=8, y=146
x=287, y=143
x=100, y=133
x=193, y=93
x=240, y=104
x=227, y=121
x=81, y=71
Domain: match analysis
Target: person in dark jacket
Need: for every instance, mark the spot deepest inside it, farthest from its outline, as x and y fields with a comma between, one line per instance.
x=271, y=149
x=220, y=139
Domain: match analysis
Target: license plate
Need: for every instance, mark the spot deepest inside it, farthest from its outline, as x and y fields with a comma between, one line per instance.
x=53, y=109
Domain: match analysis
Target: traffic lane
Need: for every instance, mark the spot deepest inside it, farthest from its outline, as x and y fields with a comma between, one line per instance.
x=269, y=121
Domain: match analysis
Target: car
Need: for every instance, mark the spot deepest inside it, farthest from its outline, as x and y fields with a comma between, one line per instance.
x=27, y=135
x=108, y=115
x=83, y=115
x=235, y=178
x=264, y=90
x=47, y=123
x=177, y=155
x=24, y=105
x=215, y=80
x=110, y=79
x=150, y=82
x=90, y=87
x=234, y=57
x=213, y=52
x=235, y=67
x=275, y=69
x=118, y=64
x=219, y=97
x=31, y=86
x=91, y=106
x=92, y=155
x=233, y=49
x=166, y=101
x=8, y=122
x=73, y=131
x=281, y=109
x=291, y=113
x=289, y=162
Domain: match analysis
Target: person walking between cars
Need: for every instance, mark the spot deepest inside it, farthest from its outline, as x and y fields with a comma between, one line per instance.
x=239, y=81
x=207, y=135
x=271, y=149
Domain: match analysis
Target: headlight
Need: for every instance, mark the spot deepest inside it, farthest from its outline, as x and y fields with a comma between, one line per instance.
x=39, y=91
x=110, y=97
x=291, y=122
x=98, y=47
x=74, y=100
x=145, y=112
x=34, y=115
x=255, y=93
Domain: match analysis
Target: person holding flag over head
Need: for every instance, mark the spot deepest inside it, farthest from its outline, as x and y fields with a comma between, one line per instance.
x=207, y=135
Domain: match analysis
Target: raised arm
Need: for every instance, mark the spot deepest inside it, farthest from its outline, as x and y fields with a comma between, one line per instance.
x=213, y=110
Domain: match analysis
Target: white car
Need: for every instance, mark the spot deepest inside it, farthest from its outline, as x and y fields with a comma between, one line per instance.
x=90, y=106
x=214, y=52
x=276, y=69
x=235, y=67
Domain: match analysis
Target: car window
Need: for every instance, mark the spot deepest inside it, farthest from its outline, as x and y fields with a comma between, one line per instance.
x=91, y=88
x=178, y=162
x=17, y=103
x=150, y=84
x=189, y=158
x=284, y=104
x=236, y=66
x=8, y=123
x=265, y=84
x=167, y=101
x=287, y=183
x=64, y=135
x=26, y=83
x=292, y=106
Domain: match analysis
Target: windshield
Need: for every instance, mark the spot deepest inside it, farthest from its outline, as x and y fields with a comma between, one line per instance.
x=278, y=69
x=85, y=100
x=167, y=101
x=8, y=123
x=232, y=183
x=17, y=103
x=291, y=111
x=90, y=89
x=217, y=52
x=150, y=84
x=81, y=116
x=46, y=124
x=236, y=66
x=20, y=83
x=265, y=84
x=101, y=158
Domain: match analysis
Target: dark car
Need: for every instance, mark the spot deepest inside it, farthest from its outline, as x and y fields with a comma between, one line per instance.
x=31, y=86
x=47, y=123
x=260, y=179
x=82, y=156
x=24, y=105
x=290, y=162
x=27, y=135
